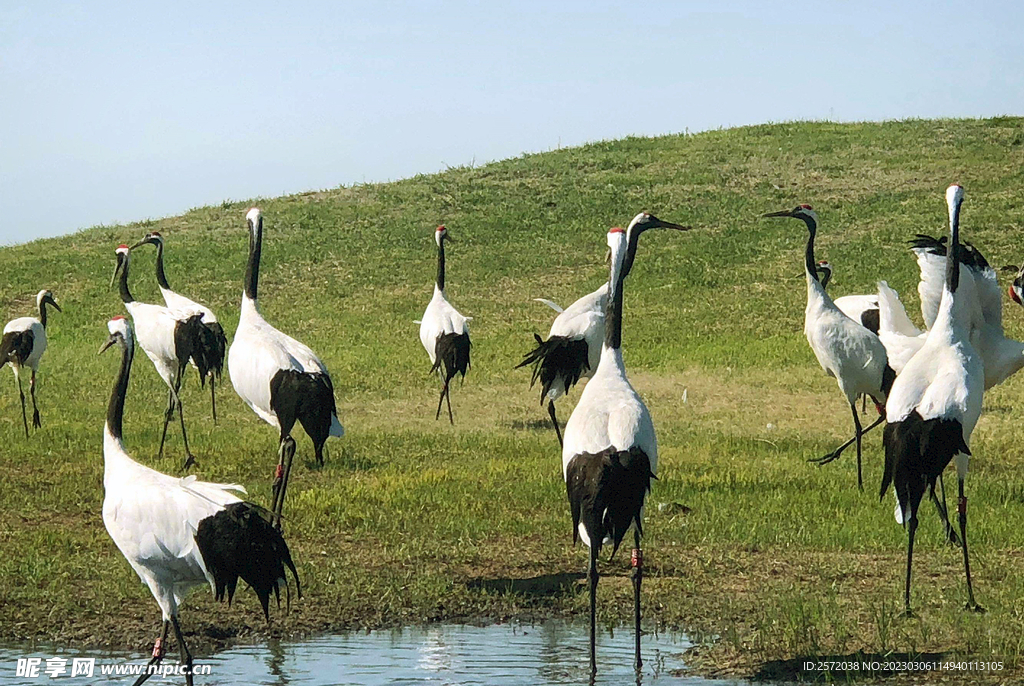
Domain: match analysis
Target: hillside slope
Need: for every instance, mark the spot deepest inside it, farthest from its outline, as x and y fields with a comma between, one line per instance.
x=414, y=520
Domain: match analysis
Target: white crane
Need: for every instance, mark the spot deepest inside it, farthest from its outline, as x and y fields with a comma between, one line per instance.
x=573, y=346
x=934, y=405
x=846, y=350
x=981, y=297
x=23, y=345
x=444, y=332
x=282, y=380
x=610, y=453
x=214, y=342
x=859, y=308
x=178, y=533
x=170, y=339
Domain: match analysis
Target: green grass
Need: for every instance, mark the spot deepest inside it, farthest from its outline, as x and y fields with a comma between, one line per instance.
x=410, y=519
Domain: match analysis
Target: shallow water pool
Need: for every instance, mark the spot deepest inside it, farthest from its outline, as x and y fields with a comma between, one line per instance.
x=547, y=653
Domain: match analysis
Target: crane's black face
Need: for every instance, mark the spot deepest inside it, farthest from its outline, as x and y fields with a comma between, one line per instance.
x=151, y=238
x=649, y=221
x=48, y=299
x=114, y=338
x=122, y=259
x=803, y=212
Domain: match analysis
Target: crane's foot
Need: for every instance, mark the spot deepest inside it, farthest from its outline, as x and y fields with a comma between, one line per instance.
x=825, y=459
x=36, y=424
x=190, y=462
x=951, y=537
x=972, y=606
x=908, y=613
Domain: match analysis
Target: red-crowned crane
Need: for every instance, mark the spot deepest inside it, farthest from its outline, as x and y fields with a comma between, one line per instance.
x=282, y=380
x=934, y=405
x=610, y=453
x=170, y=339
x=573, y=346
x=214, y=342
x=23, y=345
x=444, y=332
x=178, y=533
x=844, y=348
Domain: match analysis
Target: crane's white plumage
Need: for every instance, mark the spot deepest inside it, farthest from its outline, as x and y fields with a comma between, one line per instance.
x=258, y=352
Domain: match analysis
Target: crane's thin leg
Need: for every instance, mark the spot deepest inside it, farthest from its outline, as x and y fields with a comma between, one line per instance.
x=440, y=400
x=190, y=459
x=159, y=650
x=593, y=608
x=637, y=560
x=864, y=404
x=911, y=530
x=287, y=455
x=839, y=451
x=554, y=421
x=962, y=507
x=186, y=657
x=213, y=400
x=167, y=420
x=448, y=399
x=278, y=480
x=940, y=507
x=24, y=419
x=36, y=424
x=858, y=433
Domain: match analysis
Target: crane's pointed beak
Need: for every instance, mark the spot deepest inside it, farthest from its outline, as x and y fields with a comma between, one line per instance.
x=50, y=301
x=783, y=213
x=110, y=341
x=117, y=268
x=661, y=224
x=139, y=244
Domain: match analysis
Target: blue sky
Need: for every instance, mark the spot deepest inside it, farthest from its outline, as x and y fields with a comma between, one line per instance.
x=117, y=112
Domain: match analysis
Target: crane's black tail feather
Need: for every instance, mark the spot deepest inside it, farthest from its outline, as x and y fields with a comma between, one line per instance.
x=239, y=542
x=214, y=345
x=15, y=346
x=452, y=350
x=606, y=493
x=557, y=359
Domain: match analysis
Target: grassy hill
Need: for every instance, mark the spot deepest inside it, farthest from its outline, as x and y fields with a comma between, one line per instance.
x=413, y=520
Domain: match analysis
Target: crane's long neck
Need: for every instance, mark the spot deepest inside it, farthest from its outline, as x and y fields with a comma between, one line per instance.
x=440, y=265
x=42, y=313
x=953, y=254
x=122, y=284
x=613, y=311
x=252, y=268
x=632, y=241
x=161, y=277
x=952, y=319
x=809, y=263
x=115, y=409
